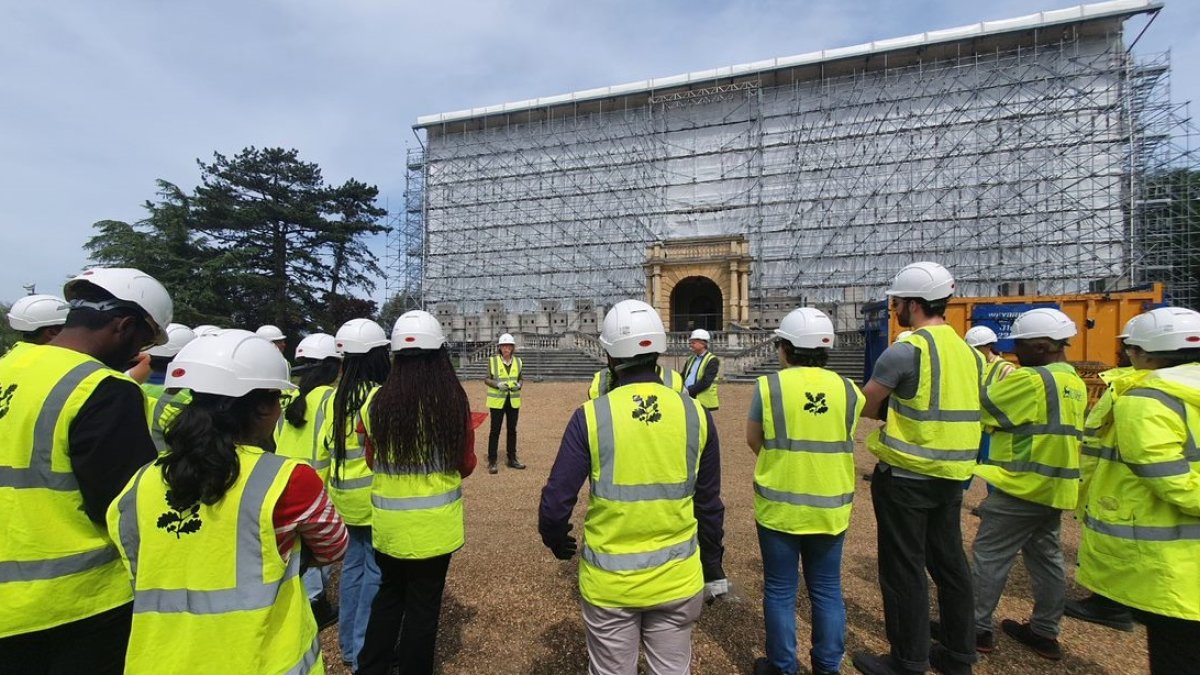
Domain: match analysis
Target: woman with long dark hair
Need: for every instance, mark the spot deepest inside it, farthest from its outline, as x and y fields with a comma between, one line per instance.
x=420, y=442
x=365, y=365
x=211, y=531
x=301, y=433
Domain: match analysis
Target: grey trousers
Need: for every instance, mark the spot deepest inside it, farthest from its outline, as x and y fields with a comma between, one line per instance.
x=1008, y=526
x=614, y=634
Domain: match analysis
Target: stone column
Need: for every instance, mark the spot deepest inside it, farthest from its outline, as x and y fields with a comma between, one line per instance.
x=733, y=312
x=745, y=295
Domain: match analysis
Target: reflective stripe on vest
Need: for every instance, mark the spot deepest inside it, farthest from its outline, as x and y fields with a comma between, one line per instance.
x=157, y=427
x=415, y=503
x=632, y=562
x=251, y=591
x=1145, y=532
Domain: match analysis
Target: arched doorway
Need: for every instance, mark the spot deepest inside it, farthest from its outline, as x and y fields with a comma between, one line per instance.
x=696, y=302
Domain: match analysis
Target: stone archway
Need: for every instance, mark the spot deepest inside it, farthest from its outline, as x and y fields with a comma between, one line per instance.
x=696, y=302
x=722, y=262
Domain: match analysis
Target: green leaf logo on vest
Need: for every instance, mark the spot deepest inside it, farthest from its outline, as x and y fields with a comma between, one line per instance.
x=6, y=399
x=816, y=403
x=180, y=520
x=647, y=410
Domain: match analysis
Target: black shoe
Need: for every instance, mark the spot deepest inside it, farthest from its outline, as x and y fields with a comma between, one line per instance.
x=1047, y=648
x=883, y=664
x=1100, y=610
x=324, y=612
x=985, y=642
x=764, y=667
x=492, y=467
x=514, y=464
x=942, y=662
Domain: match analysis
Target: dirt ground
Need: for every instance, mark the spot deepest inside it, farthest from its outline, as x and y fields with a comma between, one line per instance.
x=511, y=607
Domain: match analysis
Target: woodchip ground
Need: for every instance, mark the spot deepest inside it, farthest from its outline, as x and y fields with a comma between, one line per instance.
x=511, y=607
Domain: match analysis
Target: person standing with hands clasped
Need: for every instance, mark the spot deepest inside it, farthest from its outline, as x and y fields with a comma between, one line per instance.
x=420, y=445
x=654, y=526
x=504, y=384
x=211, y=532
x=801, y=427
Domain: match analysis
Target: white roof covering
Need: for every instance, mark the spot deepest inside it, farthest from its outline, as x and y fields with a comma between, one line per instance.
x=1099, y=10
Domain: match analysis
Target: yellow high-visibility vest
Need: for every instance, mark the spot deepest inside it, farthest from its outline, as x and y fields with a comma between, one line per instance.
x=640, y=545
x=1035, y=417
x=210, y=588
x=707, y=398
x=504, y=375
x=56, y=565
x=350, y=488
x=936, y=432
x=1141, y=523
x=161, y=408
x=417, y=513
x=309, y=442
x=804, y=478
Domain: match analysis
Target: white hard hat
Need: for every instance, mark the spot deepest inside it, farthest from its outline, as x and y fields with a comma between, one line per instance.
x=317, y=346
x=132, y=286
x=506, y=339
x=229, y=363
x=1166, y=329
x=632, y=327
x=359, y=336
x=269, y=332
x=205, y=329
x=979, y=336
x=1129, y=327
x=178, y=335
x=417, y=329
x=807, y=328
x=925, y=280
x=1043, y=322
x=700, y=334
x=37, y=311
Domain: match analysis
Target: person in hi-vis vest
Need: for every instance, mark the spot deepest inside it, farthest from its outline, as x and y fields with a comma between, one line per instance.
x=1035, y=416
x=1140, y=543
x=420, y=442
x=995, y=368
x=801, y=427
x=302, y=433
x=926, y=389
x=211, y=532
x=162, y=406
x=701, y=369
x=654, y=527
x=504, y=383
x=365, y=365
x=72, y=431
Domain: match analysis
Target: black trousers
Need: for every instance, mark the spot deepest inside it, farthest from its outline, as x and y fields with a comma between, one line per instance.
x=498, y=417
x=1174, y=644
x=920, y=528
x=95, y=645
x=407, y=605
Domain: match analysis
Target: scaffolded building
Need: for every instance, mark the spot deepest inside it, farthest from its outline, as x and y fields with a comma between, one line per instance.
x=1030, y=155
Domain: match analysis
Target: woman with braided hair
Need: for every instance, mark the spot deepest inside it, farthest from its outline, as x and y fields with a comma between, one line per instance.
x=420, y=443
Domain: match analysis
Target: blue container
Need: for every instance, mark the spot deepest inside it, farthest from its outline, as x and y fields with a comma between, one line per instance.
x=875, y=334
x=1000, y=318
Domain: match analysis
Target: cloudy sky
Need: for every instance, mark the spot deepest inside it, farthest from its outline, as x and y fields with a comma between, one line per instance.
x=98, y=99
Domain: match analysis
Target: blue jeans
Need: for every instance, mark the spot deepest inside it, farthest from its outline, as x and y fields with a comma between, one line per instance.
x=821, y=557
x=315, y=579
x=360, y=580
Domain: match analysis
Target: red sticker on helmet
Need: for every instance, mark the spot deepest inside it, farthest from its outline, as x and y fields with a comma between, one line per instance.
x=1193, y=338
x=410, y=339
x=824, y=339
x=644, y=343
x=339, y=345
x=178, y=372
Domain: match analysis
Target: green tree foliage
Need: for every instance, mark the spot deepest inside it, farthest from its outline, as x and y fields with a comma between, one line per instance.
x=8, y=336
x=263, y=239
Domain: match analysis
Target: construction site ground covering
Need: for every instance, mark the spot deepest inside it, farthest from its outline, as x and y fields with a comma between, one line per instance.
x=511, y=607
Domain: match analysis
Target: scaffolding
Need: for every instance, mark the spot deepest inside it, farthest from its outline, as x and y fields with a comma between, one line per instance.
x=1036, y=162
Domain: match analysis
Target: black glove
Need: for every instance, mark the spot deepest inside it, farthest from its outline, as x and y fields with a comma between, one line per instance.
x=564, y=548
